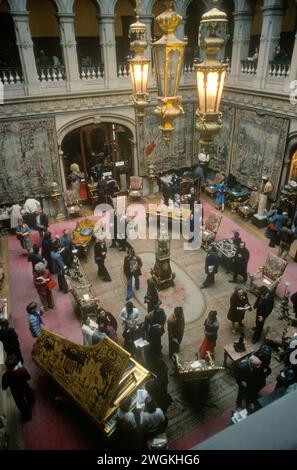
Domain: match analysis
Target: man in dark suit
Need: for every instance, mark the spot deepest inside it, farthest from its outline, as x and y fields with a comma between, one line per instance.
x=211, y=266
x=100, y=250
x=241, y=260
x=250, y=377
x=41, y=223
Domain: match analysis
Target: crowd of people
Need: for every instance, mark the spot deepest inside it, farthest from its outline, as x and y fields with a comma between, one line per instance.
x=52, y=257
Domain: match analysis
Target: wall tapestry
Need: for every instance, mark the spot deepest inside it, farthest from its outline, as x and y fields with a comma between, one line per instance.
x=28, y=158
x=258, y=148
x=221, y=149
x=179, y=152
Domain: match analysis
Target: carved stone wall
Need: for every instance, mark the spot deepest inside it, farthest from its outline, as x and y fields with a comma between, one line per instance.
x=28, y=158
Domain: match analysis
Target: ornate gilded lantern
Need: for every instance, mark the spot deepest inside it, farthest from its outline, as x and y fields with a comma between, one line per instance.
x=139, y=65
x=168, y=54
x=210, y=74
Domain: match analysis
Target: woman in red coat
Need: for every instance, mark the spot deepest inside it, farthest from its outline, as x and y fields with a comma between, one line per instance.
x=41, y=278
x=211, y=326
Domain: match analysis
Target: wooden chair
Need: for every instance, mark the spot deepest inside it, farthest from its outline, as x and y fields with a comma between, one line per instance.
x=71, y=201
x=135, y=190
x=249, y=207
x=270, y=274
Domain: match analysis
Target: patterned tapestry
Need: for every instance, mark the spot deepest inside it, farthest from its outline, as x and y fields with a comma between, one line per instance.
x=178, y=153
x=28, y=158
x=221, y=149
x=258, y=147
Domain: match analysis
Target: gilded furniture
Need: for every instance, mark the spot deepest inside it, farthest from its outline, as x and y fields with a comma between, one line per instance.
x=249, y=207
x=135, y=190
x=83, y=235
x=226, y=251
x=211, y=228
x=171, y=213
x=72, y=204
x=270, y=274
x=196, y=371
x=96, y=378
x=162, y=272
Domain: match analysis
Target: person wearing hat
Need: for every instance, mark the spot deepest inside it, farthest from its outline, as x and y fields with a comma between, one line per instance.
x=41, y=277
x=100, y=251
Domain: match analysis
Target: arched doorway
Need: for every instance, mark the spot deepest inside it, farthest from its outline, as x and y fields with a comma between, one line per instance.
x=99, y=148
x=293, y=168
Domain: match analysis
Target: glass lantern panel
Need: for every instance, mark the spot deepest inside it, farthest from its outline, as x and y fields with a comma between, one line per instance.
x=139, y=74
x=201, y=92
x=221, y=86
x=173, y=72
x=159, y=60
x=212, y=91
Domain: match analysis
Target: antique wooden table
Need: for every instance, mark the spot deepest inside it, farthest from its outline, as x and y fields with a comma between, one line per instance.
x=235, y=357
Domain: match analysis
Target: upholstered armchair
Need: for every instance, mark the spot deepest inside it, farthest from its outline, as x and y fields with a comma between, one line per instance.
x=135, y=190
x=71, y=202
x=269, y=275
x=249, y=207
x=211, y=228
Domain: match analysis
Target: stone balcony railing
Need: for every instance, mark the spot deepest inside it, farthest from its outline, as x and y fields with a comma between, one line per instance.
x=123, y=70
x=11, y=76
x=249, y=67
x=279, y=70
x=55, y=73
x=92, y=72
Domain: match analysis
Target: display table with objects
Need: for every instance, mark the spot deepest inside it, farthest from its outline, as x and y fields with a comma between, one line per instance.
x=83, y=235
x=236, y=357
x=234, y=197
x=166, y=212
x=226, y=251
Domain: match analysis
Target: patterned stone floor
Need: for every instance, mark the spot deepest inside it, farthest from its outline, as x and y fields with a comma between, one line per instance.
x=184, y=414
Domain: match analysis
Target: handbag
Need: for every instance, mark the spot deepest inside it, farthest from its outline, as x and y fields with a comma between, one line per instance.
x=51, y=283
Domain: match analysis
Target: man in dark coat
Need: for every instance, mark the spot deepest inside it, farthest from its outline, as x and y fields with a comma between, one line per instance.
x=132, y=268
x=16, y=378
x=211, y=266
x=293, y=299
x=10, y=340
x=59, y=268
x=40, y=223
x=264, y=305
x=100, y=250
x=250, y=377
x=241, y=260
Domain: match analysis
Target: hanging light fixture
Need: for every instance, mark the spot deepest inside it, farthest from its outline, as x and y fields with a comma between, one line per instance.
x=168, y=54
x=210, y=74
x=139, y=65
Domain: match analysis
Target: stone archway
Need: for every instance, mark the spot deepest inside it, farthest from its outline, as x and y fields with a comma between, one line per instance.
x=95, y=119
x=290, y=151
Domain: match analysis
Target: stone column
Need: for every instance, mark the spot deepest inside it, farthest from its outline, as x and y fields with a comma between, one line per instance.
x=180, y=30
x=108, y=48
x=147, y=20
x=25, y=46
x=272, y=12
x=68, y=43
x=293, y=69
x=241, y=41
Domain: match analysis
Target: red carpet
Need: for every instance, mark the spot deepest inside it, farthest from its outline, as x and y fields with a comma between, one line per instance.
x=67, y=428
x=49, y=428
